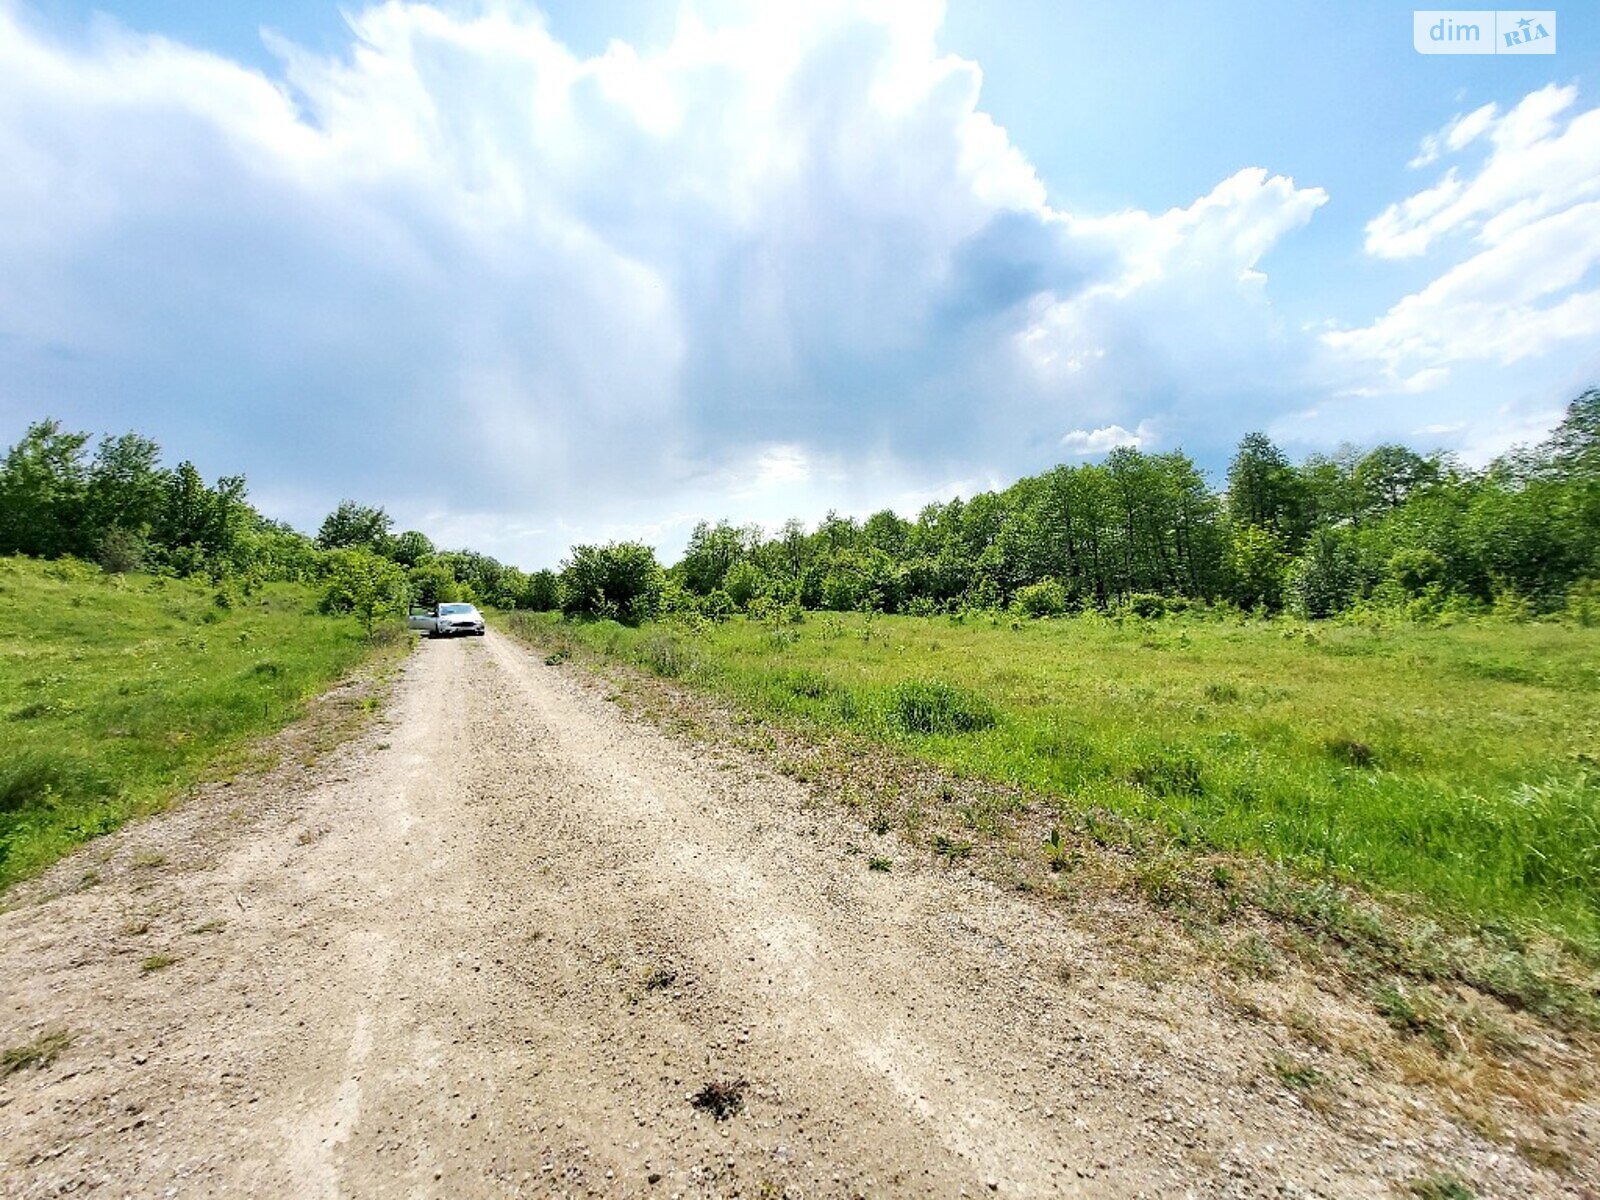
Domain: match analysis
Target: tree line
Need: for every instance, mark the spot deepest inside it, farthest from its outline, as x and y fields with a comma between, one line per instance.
x=1382, y=527
x=120, y=506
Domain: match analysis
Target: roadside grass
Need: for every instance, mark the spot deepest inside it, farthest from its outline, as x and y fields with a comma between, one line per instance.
x=119, y=692
x=1450, y=772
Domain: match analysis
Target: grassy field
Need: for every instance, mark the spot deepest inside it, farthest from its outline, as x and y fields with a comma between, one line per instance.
x=1455, y=764
x=117, y=692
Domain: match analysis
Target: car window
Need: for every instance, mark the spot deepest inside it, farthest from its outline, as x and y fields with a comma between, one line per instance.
x=455, y=608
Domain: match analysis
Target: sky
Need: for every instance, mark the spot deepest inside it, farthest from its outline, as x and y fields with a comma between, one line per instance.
x=531, y=275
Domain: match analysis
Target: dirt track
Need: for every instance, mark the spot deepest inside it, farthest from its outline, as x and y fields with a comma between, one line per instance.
x=495, y=945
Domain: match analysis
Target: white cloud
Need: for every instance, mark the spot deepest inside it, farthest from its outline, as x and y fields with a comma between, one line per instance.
x=1533, y=170
x=464, y=271
x=1084, y=442
x=1530, y=214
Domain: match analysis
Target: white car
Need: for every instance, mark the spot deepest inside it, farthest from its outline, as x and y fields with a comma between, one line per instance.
x=448, y=620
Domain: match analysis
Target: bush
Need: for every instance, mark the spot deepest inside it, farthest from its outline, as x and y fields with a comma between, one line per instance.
x=1416, y=570
x=717, y=606
x=620, y=581
x=121, y=552
x=1583, y=602
x=543, y=592
x=1326, y=579
x=1047, y=598
x=1147, y=604
x=1257, y=566
x=743, y=583
x=928, y=706
x=366, y=584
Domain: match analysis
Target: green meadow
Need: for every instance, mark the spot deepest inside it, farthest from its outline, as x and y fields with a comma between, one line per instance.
x=117, y=692
x=1453, y=763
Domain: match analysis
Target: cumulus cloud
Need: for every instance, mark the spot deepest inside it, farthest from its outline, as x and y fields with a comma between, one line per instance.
x=525, y=295
x=1529, y=217
x=1084, y=442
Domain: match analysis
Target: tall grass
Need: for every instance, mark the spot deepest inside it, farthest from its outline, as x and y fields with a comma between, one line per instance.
x=1457, y=764
x=116, y=692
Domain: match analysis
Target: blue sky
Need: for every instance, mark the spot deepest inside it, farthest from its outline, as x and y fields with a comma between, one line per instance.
x=528, y=275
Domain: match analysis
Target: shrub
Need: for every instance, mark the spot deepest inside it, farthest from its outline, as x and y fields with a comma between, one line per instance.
x=1583, y=602
x=620, y=581
x=121, y=552
x=1047, y=598
x=1147, y=604
x=743, y=583
x=33, y=778
x=1325, y=579
x=928, y=706
x=361, y=582
x=543, y=593
x=717, y=606
x=1258, y=567
x=1415, y=570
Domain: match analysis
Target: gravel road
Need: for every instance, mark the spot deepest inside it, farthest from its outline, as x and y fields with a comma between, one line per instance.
x=497, y=944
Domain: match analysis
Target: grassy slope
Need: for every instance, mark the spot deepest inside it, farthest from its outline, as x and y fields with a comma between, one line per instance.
x=118, y=692
x=1453, y=763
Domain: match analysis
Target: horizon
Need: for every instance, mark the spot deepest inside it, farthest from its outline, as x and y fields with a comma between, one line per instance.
x=534, y=276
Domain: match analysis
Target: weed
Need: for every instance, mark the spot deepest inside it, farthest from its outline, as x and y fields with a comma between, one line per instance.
x=1348, y=750
x=1293, y=1073
x=928, y=706
x=1543, y=1154
x=147, y=859
x=1058, y=852
x=37, y=1054
x=1253, y=956
x=721, y=1098
x=950, y=849
x=878, y=863
x=1169, y=775
x=555, y=659
x=157, y=962
x=1440, y=1185
x=660, y=978
x=1411, y=1014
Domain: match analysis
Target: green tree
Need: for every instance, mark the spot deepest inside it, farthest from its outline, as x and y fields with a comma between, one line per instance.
x=1326, y=578
x=621, y=580
x=1264, y=490
x=126, y=487
x=351, y=525
x=710, y=554
x=199, y=526
x=1259, y=567
x=543, y=593
x=43, y=493
x=410, y=548
x=433, y=582
x=1387, y=475
x=366, y=584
